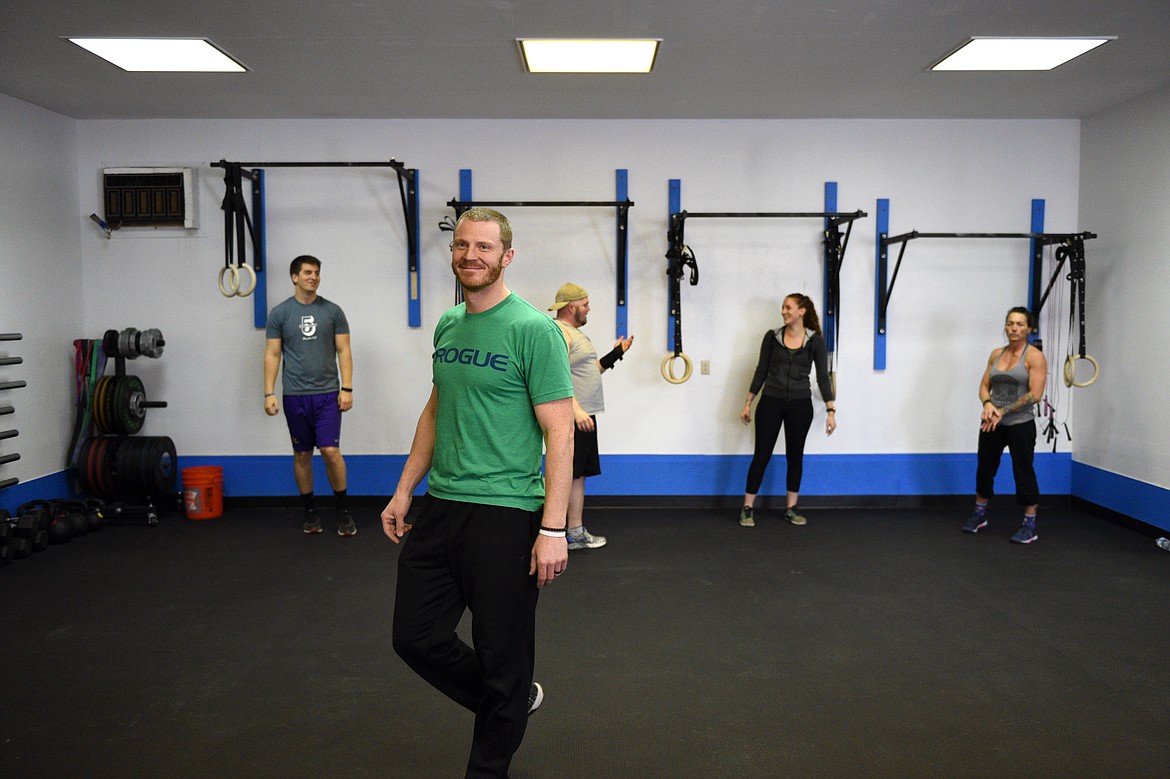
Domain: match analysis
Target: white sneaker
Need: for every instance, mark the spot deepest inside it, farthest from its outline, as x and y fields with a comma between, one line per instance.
x=586, y=541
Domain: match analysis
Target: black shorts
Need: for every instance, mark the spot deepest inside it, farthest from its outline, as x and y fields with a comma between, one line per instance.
x=586, y=461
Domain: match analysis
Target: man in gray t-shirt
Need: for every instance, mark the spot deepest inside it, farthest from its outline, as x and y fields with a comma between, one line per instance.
x=311, y=335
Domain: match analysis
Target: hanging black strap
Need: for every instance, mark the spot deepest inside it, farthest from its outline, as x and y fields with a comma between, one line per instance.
x=235, y=213
x=835, y=245
x=1074, y=251
x=679, y=257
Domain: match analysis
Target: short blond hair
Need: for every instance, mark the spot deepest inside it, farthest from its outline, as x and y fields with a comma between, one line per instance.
x=489, y=215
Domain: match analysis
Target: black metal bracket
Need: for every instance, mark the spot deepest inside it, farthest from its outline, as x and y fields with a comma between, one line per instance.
x=1071, y=250
x=1039, y=241
x=622, y=208
x=679, y=256
x=236, y=212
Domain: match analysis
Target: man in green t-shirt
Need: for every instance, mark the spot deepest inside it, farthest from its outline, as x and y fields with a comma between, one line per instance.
x=482, y=540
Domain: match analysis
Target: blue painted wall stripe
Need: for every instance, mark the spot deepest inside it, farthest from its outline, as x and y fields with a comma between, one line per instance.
x=1140, y=500
x=702, y=475
x=643, y=474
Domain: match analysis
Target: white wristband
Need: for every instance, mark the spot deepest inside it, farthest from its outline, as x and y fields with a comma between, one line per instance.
x=552, y=533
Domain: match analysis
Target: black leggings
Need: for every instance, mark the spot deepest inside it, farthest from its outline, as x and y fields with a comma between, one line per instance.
x=1020, y=441
x=796, y=417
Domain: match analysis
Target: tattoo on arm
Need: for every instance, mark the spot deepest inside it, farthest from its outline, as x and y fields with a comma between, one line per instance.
x=1024, y=401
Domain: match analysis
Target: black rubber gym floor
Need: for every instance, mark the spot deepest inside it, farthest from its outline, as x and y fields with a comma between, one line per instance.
x=871, y=643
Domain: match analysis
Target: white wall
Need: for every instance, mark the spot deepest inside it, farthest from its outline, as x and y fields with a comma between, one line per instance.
x=1126, y=198
x=945, y=315
x=40, y=283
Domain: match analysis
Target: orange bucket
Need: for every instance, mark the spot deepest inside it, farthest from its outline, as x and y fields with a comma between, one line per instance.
x=203, y=491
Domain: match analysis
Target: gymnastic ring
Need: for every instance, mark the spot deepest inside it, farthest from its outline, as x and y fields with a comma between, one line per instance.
x=235, y=281
x=1070, y=370
x=668, y=368
x=243, y=293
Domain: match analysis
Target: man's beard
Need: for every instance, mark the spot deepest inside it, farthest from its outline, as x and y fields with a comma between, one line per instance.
x=493, y=274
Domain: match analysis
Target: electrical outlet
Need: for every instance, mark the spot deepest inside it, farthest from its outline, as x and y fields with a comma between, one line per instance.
x=705, y=367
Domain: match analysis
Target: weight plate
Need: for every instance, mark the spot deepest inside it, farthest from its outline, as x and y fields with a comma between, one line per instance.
x=132, y=415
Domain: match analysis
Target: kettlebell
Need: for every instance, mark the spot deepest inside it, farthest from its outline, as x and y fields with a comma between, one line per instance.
x=62, y=512
x=75, y=514
x=94, y=513
x=41, y=512
x=59, y=530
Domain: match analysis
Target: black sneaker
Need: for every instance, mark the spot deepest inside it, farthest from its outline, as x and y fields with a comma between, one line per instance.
x=345, y=525
x=312, y=524
x=535, y=698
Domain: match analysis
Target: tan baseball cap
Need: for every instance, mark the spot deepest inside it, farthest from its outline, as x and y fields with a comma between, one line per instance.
x=567, y=294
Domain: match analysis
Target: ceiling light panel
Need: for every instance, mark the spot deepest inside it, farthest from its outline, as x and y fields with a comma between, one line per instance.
x=162, y=55
x=575, y=55
x=1018, y=53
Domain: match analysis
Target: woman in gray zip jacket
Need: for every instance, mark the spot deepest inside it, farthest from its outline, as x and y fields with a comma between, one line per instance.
x=787, y=357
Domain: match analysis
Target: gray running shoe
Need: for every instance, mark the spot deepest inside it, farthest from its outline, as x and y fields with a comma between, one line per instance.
x=345, y=525
x=312, y=524
x=795, y=518
x=586, y=541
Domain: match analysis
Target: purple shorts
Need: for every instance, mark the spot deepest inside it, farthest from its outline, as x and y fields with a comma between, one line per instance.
x=313, y=421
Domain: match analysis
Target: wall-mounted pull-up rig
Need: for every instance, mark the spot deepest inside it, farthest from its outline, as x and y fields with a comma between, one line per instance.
x=237, y=219
x=680, y=257
x=1071, y=248
x=621, y=205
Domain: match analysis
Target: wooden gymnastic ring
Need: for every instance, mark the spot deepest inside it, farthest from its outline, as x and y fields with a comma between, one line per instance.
x=1070, y=370
x=234, y=290
x=242, y=292
x=668, y=368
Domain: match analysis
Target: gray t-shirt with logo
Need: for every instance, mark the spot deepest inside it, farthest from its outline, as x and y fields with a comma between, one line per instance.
x=308, y=350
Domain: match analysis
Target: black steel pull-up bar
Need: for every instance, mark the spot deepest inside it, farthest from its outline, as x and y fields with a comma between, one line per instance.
x=621, y=205
x=1041, y=240
x=236, y=214
x=679, y=257
x=838, y=218
x=398, y=166
x=463, y=205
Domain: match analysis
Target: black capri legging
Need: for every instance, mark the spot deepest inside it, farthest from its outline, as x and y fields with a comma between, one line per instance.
x=1020, y=441
x=796, y=417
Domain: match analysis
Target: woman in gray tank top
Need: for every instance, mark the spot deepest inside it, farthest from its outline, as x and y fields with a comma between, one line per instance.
x=1012, y=385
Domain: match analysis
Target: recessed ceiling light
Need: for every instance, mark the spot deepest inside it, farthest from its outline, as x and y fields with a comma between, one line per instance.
x=577, y=55
x=179, y=55
x=1018, y=53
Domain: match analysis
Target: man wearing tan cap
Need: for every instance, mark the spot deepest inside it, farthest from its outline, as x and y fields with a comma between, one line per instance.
x=572, y=307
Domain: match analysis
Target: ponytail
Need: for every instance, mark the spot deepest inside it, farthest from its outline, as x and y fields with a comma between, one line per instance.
x=811, y=322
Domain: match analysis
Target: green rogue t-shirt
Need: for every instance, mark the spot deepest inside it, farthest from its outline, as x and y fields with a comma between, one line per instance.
x=490, y=369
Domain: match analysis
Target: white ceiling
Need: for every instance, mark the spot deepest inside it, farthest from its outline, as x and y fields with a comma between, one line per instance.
x=457, y=58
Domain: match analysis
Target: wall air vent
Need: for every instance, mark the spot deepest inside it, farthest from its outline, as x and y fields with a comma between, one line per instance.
x=149, y=197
